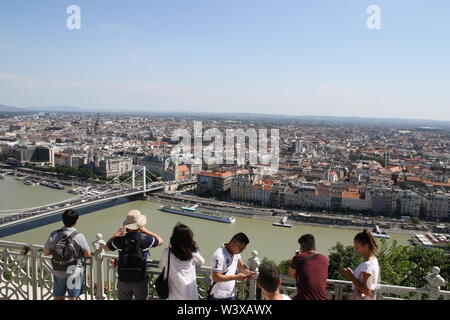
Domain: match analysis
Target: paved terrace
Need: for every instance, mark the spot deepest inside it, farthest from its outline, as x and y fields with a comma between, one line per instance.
x=26, y=275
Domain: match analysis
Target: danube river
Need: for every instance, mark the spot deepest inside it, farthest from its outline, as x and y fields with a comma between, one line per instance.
x=272, y=242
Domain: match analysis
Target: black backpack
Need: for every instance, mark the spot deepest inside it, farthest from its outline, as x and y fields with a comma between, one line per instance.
x=161, y=284
x=64, y=253
x=131, y=266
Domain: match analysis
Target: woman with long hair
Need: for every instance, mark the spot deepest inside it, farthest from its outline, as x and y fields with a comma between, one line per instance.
x=366, y=277
x=183, y=257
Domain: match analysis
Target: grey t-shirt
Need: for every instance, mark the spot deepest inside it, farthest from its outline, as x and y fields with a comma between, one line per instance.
x=81, y=246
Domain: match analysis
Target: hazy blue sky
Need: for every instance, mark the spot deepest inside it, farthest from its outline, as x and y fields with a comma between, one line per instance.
x=314, y=57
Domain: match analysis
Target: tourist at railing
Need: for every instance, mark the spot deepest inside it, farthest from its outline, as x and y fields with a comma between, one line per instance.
x=225, y=262
x=310, y=270
x=366, y=277
x=183, y=257
x=67, y=247
x=133, y=242
x=269, y=282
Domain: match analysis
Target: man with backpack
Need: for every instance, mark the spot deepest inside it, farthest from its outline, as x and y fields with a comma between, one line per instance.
x=68, y=247
x=133, y=241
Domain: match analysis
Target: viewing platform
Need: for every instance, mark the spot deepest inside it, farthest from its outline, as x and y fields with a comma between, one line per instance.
x=26, y=275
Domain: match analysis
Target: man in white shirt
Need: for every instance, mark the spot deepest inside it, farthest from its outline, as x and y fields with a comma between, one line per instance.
x=226, y=261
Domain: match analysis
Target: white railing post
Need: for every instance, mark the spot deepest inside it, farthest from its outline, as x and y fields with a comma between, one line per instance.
x=253, y=264
x=99, y=245
x=252, y=288
x=338, y=291
x=34, y=271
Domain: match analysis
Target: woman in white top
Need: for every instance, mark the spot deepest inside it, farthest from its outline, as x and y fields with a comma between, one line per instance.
x=366, y=277
x=183, y=257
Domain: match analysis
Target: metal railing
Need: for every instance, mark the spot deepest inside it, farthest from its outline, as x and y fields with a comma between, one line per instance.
x=25, y=274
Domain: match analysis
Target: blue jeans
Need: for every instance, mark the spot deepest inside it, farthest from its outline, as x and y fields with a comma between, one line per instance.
x=63, y=285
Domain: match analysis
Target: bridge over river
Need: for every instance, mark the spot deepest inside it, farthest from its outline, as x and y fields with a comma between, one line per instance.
x=106, y=195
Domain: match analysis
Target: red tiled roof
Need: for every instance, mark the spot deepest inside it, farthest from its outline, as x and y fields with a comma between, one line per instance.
x=158, y=143
x=183, y=168
x=350, y=195
x=218, y=174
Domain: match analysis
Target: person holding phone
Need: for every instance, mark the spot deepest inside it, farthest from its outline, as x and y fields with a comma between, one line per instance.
x=366, y=278
x=227, y=267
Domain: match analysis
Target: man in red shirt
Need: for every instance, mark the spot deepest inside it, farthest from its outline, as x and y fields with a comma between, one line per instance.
x=310, y=269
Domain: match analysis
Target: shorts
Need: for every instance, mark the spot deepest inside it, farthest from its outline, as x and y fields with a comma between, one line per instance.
x=130, y=290
x=71, y=286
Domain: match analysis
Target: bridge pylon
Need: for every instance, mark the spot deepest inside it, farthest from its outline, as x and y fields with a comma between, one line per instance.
x=144, y=176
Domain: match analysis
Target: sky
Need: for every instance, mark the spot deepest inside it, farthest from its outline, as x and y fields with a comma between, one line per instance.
x=298, y=57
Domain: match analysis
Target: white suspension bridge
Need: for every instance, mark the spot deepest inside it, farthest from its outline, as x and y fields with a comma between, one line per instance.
x=111, y=190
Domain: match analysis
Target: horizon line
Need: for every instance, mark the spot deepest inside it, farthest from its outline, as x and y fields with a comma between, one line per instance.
x=84, y=110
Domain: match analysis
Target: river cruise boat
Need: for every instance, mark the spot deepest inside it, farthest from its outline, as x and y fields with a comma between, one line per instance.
x=192, y=212
x=52, y=185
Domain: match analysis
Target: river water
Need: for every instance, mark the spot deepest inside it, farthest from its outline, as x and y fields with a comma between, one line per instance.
x=272, y=242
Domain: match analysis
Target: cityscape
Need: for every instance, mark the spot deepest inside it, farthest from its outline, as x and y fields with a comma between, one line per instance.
x=253, y=145
x=342, y=174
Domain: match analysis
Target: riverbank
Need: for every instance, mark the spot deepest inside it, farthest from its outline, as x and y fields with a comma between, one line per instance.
x=275, y=243
x=260, y=214
x=22, y=172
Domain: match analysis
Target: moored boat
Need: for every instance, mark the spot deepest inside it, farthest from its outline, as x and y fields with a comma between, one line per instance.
x=378, y=234
x=51, y=185
x=29, y=183
x=192, y=212
x=283, y=223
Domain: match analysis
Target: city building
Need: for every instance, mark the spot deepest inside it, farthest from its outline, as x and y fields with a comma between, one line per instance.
x=242, y=186
x=157, y=164
x=114, y=167
x=214, y=183
x=408, y=203
x=438, y=206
